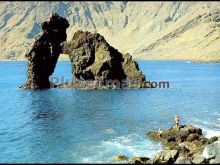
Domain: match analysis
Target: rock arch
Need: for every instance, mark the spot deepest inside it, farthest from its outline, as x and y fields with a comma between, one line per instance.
x=92, y=58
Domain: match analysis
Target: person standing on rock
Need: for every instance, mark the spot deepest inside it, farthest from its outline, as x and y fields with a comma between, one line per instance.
x=159, y=133
x=176, y=120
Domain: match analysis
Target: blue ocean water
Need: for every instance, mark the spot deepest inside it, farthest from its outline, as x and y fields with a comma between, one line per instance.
x=79, y=126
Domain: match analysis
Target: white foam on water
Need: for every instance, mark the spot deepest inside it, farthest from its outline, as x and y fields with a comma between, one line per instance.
x=130, y=146
x=209, y=128
x=210, y=133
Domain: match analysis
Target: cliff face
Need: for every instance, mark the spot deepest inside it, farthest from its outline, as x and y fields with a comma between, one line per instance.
x=147, y=30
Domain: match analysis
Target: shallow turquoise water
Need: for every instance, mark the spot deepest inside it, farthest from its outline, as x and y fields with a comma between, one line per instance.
x=74, y=126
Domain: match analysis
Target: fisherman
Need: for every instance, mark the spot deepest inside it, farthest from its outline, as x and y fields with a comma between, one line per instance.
x=176, y=120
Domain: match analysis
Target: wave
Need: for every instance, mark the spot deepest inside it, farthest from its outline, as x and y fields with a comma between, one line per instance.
x=130, y=146
x=209, y=128
x=209, y=133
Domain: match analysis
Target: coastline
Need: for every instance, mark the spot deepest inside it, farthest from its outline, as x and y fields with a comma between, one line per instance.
x=137, y=59
x=183, y=145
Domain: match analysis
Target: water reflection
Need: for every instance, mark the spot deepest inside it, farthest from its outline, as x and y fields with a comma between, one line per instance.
x=45, y=121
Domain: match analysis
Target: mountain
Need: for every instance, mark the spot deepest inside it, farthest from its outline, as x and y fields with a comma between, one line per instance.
x=147, y=30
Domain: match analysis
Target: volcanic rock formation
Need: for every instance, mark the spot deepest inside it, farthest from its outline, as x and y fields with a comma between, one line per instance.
x=183, y=145
x=94, y=59
x=95, y=64
x=42, y=58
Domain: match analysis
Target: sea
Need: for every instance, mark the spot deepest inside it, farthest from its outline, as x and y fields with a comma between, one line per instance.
x=94, y=126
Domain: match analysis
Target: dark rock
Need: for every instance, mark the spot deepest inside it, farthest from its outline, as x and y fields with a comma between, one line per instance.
x=203, y=140
x=183, y=135
x=94, y=60
x=171, y=139
x=43, y=56
x=192, y=130
x=140, y=160
x=149, y=161
x=213, y=139
x=192, y=137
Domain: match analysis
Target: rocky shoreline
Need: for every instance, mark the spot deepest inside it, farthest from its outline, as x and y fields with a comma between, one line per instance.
x=183, y=145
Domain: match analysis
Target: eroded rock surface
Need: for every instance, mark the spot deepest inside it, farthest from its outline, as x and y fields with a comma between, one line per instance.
x=43, y=56
x=94, y=61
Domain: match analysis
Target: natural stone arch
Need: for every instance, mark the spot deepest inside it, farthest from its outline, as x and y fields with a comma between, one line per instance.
x=92, y=58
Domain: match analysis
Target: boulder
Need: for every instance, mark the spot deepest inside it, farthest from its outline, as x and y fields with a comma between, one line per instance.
x=183, y=160
x=121, y=158
x=192, y=137
x=43, y=56
x=166, y=157
x=94, y=60
x=189, y=129
x=212, y=161
x=171, y=139
x=184, y=148
x=213, y=139
x=140, y=160
x=212, y=152
x=203, y=140
x=183, y=135
x=198, y=159
x=215, y=161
